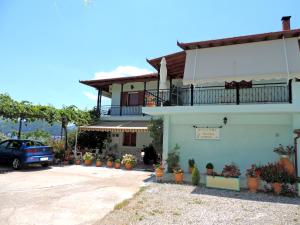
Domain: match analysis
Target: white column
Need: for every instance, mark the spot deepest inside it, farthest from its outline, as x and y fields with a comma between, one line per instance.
x=296, y=125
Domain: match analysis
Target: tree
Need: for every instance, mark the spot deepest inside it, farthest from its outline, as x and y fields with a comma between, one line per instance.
x=155, y=127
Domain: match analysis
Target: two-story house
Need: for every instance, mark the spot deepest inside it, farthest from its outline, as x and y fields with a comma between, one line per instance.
x=226, y=100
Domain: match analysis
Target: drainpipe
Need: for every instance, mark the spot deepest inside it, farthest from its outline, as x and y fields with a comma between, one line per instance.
x=297, y=132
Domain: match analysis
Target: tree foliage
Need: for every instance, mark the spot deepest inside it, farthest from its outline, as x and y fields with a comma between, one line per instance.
x=155, y=127
x=24, y=110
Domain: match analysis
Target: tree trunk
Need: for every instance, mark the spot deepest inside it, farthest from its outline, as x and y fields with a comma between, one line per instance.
x=66, y=138
x=20, y=128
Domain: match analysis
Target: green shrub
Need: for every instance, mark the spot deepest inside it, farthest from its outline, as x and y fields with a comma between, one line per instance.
x=173, y=159
x=195, y=176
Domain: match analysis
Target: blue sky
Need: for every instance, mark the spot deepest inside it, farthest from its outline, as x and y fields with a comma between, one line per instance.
x=47, y=46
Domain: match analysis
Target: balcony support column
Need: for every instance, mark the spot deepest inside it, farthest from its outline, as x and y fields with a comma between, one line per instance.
x=237, y=94
x=144, y=94
x=192, y=94
x=98, y=109
x=290, y=91
x=121, y=99
x=170, y=94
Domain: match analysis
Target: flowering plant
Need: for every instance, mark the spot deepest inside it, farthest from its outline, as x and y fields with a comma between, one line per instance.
x=231, y=171
x=158, y=166
x=254, y=171
x=177, y=170
x=88, y=156
x=274, y=172
x=129, y=159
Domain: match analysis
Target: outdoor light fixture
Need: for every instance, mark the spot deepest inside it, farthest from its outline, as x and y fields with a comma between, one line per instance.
x=132, y=87
x=225, y=120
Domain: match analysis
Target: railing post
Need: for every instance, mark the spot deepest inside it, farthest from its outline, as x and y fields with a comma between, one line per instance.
x=237, y=94
x=98, y=109
x=121, y=99
x=170, y=92
x=157, y=95
x=192, y=94
x=290, y=91
x=144, y=95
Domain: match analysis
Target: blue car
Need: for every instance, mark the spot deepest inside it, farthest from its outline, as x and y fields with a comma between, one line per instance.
x=20, y=153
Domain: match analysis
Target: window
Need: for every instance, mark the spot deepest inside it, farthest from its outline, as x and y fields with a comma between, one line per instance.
x=3, y=144
x=129, y=139
x=14, y=145
x=132, y=98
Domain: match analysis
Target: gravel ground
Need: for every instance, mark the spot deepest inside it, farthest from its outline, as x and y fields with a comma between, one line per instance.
x=183, y=204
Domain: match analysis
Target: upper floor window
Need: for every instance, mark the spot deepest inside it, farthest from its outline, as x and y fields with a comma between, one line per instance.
x=132, y=98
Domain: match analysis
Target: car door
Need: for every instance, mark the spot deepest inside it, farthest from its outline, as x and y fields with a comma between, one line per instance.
x=3, y=151
x=13, y=149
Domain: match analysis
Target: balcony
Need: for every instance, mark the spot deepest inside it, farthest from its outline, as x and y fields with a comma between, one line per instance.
x=257, y=94
x=117, y=110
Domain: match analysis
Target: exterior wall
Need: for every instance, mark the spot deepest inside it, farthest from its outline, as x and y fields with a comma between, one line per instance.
x=246, y=139
x=142, y=139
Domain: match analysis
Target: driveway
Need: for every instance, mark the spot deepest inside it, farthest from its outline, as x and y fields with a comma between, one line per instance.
x=64, y=195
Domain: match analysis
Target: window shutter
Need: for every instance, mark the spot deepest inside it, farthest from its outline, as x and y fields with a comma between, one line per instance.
x=133, y=139
x=124, y=99
x=141, y=98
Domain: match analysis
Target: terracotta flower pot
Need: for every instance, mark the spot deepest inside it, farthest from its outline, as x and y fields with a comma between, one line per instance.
x=109, y=164
x=117, y=165
x=128, y=166
x=253, y=184
x=87, y=162
x=209, y=171
x=178, y=177
x=191, y=170
x=159, y=172
x=287, y=164
x=98, y=163
x=276, y=187
x=66, y=163
x=77, y=162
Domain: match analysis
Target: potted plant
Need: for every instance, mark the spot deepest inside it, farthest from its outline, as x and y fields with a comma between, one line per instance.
x=110, y=162
x=195, y=176
x=209, y=168
x=178, y=175
x=98, y=161
x=173, y=158
x=117, y=164
x=129, y=161
x=228, y=179
x=285, y=154
x=78, y=161
x=252, y=175
x=159, y=171
x=191, y=165
x=88, y=158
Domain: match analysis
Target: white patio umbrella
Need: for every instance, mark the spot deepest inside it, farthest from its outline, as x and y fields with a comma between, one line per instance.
x=163, y=74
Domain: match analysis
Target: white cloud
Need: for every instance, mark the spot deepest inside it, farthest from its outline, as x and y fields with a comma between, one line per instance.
x=122, y=71
x=90, y=95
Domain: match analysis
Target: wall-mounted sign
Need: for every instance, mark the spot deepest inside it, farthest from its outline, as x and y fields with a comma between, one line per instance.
x=208, y=133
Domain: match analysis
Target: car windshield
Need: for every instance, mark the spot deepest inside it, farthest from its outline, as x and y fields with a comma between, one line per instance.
x=32, y=143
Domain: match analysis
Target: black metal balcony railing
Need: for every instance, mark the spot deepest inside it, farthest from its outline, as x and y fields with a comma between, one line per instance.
x=258, y=94
x=117, y=110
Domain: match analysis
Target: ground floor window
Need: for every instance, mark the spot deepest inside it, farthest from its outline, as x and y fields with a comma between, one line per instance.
x=129, y=139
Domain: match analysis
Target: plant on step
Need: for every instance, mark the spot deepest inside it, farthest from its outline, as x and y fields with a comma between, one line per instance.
x=98, y=157
x=177, y=170
x=88, y=156
x=195, y=176
x=231, y=170
x=209, y=168
x=159, y=170
x=173, y=158
x=178, y=175
x=117, y=161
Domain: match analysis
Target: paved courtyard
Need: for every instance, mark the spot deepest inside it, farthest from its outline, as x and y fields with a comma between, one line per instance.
x=64, y=195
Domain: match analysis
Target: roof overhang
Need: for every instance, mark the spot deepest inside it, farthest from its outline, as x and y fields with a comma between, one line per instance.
x=117, y=126
x=240, y=39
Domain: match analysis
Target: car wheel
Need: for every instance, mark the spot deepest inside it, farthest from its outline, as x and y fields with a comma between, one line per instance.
x=45, y=165
x=16, y=164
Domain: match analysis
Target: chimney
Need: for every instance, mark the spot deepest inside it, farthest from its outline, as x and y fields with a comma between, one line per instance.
x=286, y=25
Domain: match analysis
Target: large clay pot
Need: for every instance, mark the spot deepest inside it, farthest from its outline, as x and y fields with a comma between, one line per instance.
x=128, y=166
x=87, y=162
x=287, y=164
x=276, y=187
x=253, y=184
x=178, y=178
x=98, y=163
x=159, y=172
x=117, y=165
x=109, y=164
x=209, y=171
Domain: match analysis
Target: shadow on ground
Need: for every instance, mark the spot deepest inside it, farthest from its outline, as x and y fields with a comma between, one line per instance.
x=246, y=195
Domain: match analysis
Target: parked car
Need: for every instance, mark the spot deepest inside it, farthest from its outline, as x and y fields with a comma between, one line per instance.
x=20, y=153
